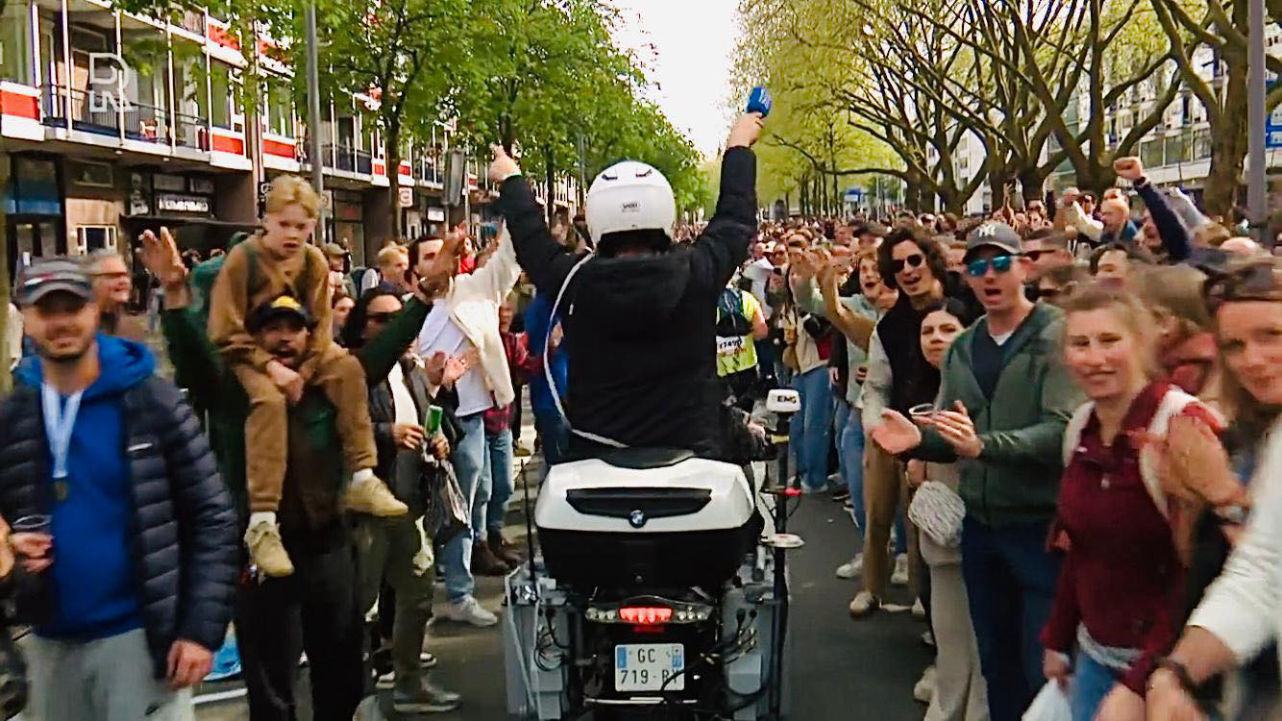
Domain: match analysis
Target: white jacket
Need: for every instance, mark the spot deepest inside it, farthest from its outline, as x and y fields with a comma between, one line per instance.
x=474, y=302
x=1243, y=608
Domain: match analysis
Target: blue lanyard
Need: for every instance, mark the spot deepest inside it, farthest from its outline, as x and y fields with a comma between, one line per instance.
x=58, y=426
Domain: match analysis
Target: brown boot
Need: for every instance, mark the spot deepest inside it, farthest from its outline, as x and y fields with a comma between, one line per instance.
x=509, y=553
x=485, y=563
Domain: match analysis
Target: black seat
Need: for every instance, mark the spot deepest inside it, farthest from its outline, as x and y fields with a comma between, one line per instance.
x=640, y=459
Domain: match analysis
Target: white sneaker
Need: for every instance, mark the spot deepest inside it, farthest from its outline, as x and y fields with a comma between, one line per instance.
x=900, y=576
x=924, y=689
x=928, y=638
x=386, y=681
x=919, y=611
x=863, y=604
x=853, y=568
x=469, y=611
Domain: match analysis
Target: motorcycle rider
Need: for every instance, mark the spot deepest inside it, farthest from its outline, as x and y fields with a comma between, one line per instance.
x=639, y=315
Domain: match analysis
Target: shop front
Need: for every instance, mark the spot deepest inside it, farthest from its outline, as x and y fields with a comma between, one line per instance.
x=35, y=225
x=347, y=224
x=183, y=203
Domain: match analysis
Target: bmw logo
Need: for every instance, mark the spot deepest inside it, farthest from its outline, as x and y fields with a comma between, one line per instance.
x=637, y=518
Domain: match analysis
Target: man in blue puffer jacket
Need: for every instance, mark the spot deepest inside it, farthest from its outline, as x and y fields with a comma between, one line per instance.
x=119, y=513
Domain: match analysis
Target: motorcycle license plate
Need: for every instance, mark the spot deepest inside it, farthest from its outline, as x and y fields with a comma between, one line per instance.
x=646, y=666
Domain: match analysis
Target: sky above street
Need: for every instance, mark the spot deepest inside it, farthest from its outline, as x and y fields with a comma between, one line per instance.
x=689, y=63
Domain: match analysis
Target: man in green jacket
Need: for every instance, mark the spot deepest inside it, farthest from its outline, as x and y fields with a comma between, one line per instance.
x=1004, y=401
x=319, y=605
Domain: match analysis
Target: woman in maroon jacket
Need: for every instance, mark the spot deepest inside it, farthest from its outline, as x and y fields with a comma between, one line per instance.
x=1116, y=606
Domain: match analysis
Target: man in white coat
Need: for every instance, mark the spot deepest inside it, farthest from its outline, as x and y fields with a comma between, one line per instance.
x=465, y=325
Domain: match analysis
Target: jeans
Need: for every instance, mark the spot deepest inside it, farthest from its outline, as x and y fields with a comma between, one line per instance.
x=497, y=478
x=812, y=432
x=852, y=464
x=469, y=466
x=1010, y=582
x=1092, y=681
x=314, y=610
x=107, y=679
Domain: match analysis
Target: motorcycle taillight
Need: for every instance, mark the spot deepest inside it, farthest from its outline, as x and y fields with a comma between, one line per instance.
x=645, y=615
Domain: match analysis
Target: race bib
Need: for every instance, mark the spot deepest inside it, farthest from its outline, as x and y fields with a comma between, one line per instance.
x=730, y=346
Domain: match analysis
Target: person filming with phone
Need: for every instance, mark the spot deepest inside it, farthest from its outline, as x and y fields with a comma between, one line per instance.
x=640, y=315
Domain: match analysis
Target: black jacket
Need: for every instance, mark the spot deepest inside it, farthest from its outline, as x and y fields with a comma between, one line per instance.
x=403, y=469
x=185, y=540
x=640, y=332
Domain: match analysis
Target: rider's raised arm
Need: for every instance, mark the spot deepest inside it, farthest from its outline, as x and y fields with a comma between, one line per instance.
x=540, y=256
x=723, y=246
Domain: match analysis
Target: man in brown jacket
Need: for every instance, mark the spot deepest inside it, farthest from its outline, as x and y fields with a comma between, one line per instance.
x=275, y=263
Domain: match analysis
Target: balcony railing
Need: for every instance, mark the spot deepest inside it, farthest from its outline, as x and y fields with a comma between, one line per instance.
x=339, y=157
x=147, y=123
x=190, y=131
x=89, y=113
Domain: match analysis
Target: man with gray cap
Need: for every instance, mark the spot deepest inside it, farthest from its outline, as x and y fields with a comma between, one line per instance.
x=336, y=257
x=1004, y=401
x=119, y=515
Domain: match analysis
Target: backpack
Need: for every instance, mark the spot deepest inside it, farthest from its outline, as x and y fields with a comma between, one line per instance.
x=205, y=274
x=731, y=321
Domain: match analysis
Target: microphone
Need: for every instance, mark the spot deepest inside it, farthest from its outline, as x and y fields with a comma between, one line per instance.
x=760, y=101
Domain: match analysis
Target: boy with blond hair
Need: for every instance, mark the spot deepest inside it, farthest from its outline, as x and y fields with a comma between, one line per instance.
x=279, y=262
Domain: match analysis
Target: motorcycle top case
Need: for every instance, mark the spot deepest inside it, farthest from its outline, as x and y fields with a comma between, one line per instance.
x=646, y=518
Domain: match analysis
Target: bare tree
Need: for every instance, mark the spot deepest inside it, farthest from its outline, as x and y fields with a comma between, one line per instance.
x=1223, y=29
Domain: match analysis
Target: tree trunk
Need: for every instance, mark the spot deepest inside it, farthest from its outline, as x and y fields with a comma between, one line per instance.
x=1032, y=182
x=392, y=164
x=549, y=176
x=1228, y=141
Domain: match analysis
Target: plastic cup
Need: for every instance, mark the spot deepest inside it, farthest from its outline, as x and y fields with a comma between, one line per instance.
x=921, y=411
x=39, y=523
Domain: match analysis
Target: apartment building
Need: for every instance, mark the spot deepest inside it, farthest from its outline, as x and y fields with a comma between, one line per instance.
x=115, y=123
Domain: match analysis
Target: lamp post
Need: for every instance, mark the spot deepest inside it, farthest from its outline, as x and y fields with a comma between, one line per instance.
x=1257, y=205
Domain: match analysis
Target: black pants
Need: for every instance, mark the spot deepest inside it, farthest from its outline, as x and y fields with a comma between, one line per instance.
x=315, y=610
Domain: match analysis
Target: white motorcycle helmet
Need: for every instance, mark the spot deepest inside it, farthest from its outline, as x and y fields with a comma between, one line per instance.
x=630, y=196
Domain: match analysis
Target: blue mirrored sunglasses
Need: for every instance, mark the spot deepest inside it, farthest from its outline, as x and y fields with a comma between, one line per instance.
x=978, y=268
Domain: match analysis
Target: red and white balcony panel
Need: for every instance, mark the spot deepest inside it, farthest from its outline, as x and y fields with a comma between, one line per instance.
x=20, y=112
x=222, y=44
x=280, y=153
x=227, y=149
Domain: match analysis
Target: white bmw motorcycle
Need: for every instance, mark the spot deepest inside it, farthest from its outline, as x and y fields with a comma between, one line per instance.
x=660, y=594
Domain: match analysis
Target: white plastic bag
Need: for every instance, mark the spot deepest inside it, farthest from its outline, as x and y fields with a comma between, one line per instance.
x=1051, y=704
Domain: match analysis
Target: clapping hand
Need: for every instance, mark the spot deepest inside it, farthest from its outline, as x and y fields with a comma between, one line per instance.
x=896, y=434
x=957, y=428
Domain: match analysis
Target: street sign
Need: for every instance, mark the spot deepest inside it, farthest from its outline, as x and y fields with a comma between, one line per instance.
x=406, y=197
x=1273, y=129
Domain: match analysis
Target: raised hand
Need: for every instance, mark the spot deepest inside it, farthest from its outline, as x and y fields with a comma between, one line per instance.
x=503, y=165
x=161, y=258
x=745, y=131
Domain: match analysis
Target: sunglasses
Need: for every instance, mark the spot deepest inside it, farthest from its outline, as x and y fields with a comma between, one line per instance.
x=1033, y=255
x=979, y=268
x=911, y=261
x=1256, y=281
x=380, y=317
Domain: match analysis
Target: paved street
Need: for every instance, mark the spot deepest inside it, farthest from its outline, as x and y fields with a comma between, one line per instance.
x=840, y=665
